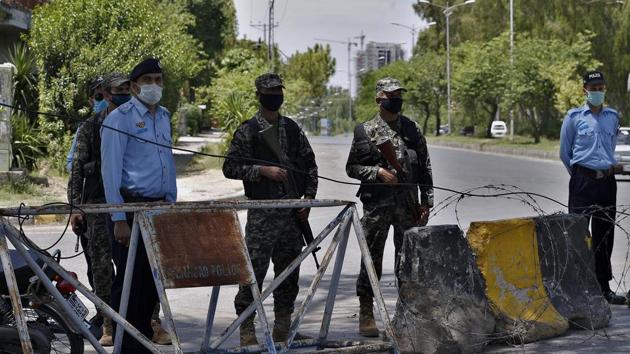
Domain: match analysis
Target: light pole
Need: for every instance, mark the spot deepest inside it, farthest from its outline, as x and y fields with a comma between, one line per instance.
x=511, y=62
x=413, y=30
x=349, y=43
x=448, y=11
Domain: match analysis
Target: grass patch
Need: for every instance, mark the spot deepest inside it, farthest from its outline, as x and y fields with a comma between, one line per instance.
x=521, y=142
x=200, y=163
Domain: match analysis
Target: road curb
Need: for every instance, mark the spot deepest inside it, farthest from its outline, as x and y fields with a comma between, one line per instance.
x=496, y=149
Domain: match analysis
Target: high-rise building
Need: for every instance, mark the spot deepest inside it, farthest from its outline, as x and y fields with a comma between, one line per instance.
x=377, y=55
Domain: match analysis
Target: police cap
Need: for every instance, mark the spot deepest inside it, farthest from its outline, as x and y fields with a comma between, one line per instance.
x=147, y=66
x=593, y=77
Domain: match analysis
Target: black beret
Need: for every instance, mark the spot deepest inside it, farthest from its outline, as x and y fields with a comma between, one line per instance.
x=147, y=66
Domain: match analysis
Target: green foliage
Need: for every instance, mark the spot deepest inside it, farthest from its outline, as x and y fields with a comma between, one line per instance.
x=74, y=41
x=27, y=144
x=24, y=80
x=192, y=114
x=315, y=67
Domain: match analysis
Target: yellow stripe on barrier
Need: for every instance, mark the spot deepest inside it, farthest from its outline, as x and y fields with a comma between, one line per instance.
x=507, y=256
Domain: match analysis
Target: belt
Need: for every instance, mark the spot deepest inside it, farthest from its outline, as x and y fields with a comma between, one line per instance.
x=134, y=197
x=595, y=174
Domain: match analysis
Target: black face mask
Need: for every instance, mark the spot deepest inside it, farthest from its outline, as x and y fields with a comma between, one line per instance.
x=120, y=99
x=393, y=104
x=98, y=97
x=271, y=102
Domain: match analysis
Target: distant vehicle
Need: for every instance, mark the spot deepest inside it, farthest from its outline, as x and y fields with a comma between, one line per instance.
x=622, y=151
x=467, y=131
x=498, y=129
x=444, y=129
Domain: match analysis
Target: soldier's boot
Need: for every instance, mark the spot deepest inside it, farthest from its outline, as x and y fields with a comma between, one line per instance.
x=367, y=325
x=248, y=332
x=281, y=326
x=160, y=335
x=107, y=339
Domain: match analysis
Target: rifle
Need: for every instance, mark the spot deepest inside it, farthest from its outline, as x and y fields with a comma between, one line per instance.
x=290, y=186
x=387, y=149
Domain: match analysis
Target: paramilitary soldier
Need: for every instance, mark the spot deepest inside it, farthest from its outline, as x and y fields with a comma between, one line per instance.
x=272, y=233
x=86, y=186
x=388, y=149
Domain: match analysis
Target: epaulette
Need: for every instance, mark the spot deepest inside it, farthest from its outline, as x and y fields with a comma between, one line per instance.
x=125, y=107
x=573, y=111
x=611, y=110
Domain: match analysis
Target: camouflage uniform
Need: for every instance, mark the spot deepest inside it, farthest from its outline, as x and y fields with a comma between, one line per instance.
x=383, y=205
x=99, y=247
x=271, y=233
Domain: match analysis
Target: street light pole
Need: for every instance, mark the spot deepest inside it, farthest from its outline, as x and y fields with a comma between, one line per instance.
x=349, y=43
x=448, y=11
x=448, y=70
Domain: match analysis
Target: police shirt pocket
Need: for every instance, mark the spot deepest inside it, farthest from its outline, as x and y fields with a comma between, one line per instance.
x=585, y=135
x=140, y=135
x=167, y=139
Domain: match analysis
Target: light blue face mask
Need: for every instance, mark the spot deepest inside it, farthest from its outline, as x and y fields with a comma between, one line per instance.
x=595, y=98
x=100, y=106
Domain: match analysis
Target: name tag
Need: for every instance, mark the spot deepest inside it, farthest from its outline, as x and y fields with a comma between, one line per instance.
x=140, y=131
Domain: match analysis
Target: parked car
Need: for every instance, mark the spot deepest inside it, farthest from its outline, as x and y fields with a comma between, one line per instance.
x=498, y=129
x=622, y=151
x=444, y=129
x=467, y=131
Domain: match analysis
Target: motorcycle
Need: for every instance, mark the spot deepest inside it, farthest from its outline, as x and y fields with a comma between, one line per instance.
x=49, y=329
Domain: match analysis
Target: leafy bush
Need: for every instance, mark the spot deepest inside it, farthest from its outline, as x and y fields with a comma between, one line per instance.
x=27, y=144
x=192, y=114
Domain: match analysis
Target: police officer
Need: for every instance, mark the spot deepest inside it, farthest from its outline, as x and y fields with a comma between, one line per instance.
x=135, y=170
x=271, y=233
x=86, y=186
x=587, y=149
x=388, y=149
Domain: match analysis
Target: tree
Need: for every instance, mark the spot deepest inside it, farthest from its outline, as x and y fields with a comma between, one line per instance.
x=74, y=41
x=315, y=66
x=545, y=81
x=426, y=83
x=479, y=78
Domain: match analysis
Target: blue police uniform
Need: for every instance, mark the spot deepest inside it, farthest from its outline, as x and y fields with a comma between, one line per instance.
x=135, y=170
x=587, y=150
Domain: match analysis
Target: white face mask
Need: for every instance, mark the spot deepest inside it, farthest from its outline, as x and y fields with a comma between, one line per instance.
x=150, y=94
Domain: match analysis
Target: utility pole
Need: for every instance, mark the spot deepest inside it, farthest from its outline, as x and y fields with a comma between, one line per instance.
x=361, y=39
x=511, y=62
x=271, y=38
x=349, y=44
x=261, y=27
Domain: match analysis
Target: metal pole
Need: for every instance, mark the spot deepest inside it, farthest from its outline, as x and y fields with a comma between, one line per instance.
x=126, y=290
x=349, y=79
x=413, y=39
x=511, y=62
x=447, y=13
x=18, y=311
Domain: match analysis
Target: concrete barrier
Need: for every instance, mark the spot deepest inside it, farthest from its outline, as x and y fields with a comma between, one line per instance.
x=507, y=256
x=567, y=265
x=441, y=307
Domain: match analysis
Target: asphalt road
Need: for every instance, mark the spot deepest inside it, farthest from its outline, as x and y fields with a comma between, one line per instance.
x=452, y=169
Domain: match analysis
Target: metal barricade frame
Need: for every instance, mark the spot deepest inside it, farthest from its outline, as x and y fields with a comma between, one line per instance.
x=346, y=219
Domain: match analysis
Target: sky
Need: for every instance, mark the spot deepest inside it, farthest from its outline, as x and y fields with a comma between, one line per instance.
x=301, y=21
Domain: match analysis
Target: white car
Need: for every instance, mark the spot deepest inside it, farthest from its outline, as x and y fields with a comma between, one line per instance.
x=622, y=151
x=498, y=129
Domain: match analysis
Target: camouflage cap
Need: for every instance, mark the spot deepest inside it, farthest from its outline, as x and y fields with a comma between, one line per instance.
x=114, y=80
x=388, y=84
x=269, y=80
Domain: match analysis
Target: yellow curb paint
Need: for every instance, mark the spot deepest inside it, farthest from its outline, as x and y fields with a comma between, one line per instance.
x=507, y=256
